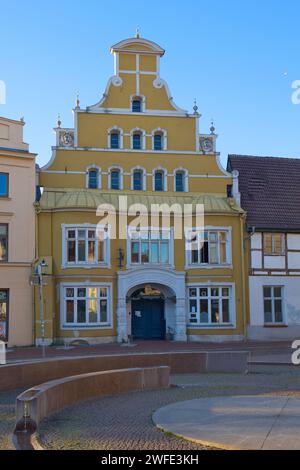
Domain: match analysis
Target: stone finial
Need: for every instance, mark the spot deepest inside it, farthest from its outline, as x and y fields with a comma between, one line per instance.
x=58, y=121
x=137, y=32
x=77, y=101
x=195, y=107
x=22, y=119
x=212, y=127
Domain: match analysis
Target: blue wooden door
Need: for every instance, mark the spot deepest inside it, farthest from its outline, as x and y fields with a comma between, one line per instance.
x=148, y=319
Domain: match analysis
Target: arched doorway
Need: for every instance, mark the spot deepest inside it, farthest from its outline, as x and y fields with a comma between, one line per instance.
x=148, y=320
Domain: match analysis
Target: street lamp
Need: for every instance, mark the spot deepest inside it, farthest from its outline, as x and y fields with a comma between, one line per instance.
x=40, y=267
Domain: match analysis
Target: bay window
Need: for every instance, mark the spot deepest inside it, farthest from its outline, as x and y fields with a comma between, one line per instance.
x=210, y=305
x=86, y=306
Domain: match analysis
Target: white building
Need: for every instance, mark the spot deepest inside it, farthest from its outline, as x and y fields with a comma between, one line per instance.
x=270, y=194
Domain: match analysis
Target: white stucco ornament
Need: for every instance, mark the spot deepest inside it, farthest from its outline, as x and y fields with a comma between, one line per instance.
x=66, y=139
x=117, y=81
x=158, y=83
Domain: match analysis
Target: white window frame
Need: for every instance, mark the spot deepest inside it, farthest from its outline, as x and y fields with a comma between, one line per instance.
x=164, y=134
x=86, y=326
x=112, y=130
x=165, y=173
x=185, y=179
x=144, y=177
x=98, y=169
x=273, y=298
x=112, y=168
x=209, y=285
x=83, y=264
x=129, y=264
x=143, y=138
x=228, y=264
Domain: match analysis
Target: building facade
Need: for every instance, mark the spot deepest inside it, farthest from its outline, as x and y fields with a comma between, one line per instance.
x=133, y=149
x=270, y=194
x=17, y=235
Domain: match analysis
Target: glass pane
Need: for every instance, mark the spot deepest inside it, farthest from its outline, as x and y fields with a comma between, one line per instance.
x=213, y=253
x=114, y=140
x=71, y=234
x=154, y=252
x=103, y=311
x=3, y=184
x=203, y=292
x=158, y=142
x=179, y=181
x=137, y=141
x=91, y=252
x=268, y=311
x=115, y=179
x=267, y=292
x=71, y=251
x=81, y=250
x=70, y=311
x=93, y=179
x=223, y=253
x=3, y=242
x=81, y=234
x=214, y=291
x=195, y=256
x=225, y=311
x=81, y=311
x=278, y=311
x=278, y=245
x=69, y=292
x=204, y=253
x=225, y=292
x=213, y=237
x=92, y=292
x=91, y=234
x=203, y=311
x=193, y=306
x=135, y=252
x=103, y=292
x=136, y=106
x=145, y=252
x=277, y=292
x=81, y=292
x=193, y=292
x=138, y=180
x=3, y=315
x=100, y=251
x=159, y=181
x=215, y=315
x=92, y=310
x=164, y=252
x=268, y=243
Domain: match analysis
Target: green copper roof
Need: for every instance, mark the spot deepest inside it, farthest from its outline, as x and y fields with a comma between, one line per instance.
x=91, y=199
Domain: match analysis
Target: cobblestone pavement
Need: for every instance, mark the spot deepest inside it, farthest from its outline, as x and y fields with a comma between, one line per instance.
x=125, y=422
x=7, y=418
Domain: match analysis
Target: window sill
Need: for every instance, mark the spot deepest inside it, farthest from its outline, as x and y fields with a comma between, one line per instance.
x=5, y=198
x=85, y=266
x=211, y=326
x=275, y=325
x=86, y=327
x=208, y=266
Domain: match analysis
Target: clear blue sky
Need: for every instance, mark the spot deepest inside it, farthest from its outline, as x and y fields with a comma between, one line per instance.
x=238, y=58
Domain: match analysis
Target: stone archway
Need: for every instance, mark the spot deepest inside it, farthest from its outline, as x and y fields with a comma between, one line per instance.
x=173, y=281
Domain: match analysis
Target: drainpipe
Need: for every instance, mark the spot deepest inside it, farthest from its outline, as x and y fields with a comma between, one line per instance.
x=242, y=219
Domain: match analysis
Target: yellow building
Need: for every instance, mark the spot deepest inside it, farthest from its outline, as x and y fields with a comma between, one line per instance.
x=149, y=283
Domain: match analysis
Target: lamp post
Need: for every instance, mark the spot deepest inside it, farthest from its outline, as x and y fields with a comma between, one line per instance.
x=40, y=267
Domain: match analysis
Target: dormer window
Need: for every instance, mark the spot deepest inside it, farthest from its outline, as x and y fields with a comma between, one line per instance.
x=137, y=141
x=136, y=105
x=115, y=140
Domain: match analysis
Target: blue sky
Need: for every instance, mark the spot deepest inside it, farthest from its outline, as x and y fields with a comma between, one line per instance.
x=238, y=58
